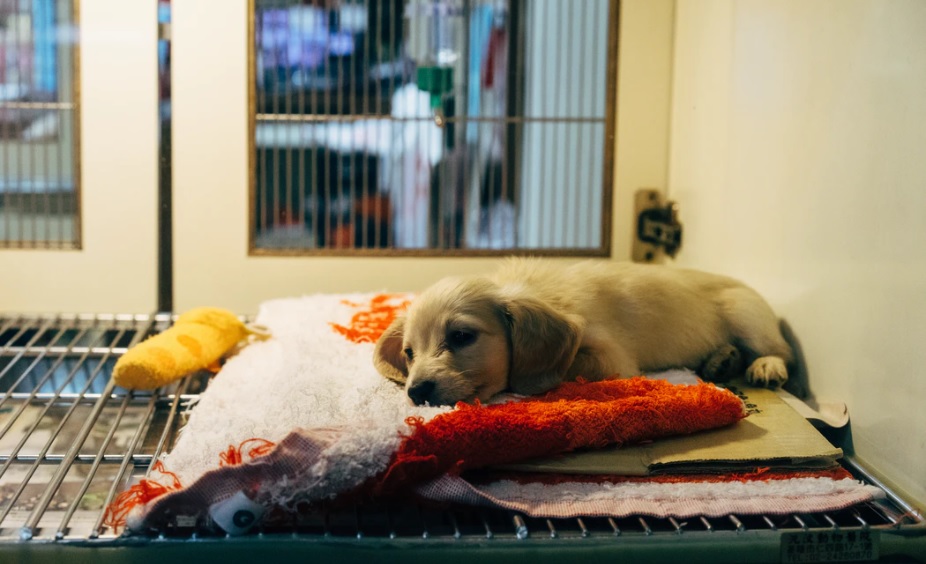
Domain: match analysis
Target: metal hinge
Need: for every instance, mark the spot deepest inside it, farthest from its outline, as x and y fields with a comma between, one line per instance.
x=659, y=233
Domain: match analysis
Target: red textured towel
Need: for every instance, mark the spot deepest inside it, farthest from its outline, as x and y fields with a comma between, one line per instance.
x=575, y=415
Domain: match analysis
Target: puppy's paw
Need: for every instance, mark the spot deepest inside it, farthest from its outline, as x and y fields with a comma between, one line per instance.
x=767, y=372
x=723, y=364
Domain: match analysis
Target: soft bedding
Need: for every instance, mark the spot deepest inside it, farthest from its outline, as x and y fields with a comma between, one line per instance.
x=304, y=417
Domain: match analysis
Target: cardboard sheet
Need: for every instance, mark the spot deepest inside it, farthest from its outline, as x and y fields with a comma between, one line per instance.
x=774, y=435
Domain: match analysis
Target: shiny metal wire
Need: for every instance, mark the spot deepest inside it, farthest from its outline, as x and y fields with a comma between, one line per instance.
x=70, y=441
x=39, y=126
x=516, y=159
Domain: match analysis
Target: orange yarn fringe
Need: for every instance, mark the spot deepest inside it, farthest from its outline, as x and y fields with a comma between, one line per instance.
x=368, y=324
x=139, y=494
x=232, y=456
x=148, y=489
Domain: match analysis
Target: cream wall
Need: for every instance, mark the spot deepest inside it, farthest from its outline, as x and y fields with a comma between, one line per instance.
x=115, y=270
x=796, y=154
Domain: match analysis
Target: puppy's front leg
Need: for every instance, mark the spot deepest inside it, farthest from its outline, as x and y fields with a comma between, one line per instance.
x=589, y=365
x=767, y=371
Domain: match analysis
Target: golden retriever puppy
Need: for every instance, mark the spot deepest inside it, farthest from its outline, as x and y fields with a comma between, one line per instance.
x=534, y=324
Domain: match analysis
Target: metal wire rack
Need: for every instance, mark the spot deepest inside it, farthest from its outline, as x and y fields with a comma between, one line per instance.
x=352, y=154
x=70, y=441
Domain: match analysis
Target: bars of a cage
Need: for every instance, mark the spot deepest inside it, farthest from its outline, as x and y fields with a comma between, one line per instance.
x=560, y=137
x=25, y=401
x=8, y=323
x=34, y=339
x=120, y=473
x=299, y=211
x=20, y=167
x=166, y=435
x=58, y=212
x=94, y=466
x=28, y=529
x=14, y=453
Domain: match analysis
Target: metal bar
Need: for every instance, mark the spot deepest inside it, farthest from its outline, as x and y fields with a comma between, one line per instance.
x=276, y=169
x=129, y=457
x=737, y=523
x=37, y=460
x=546, y=194
x=73, y=453
x=488, y=529
x=582, y=527
x=425, y=534
x=580, y=156
x=338, y=118
x=390, y=522
x=54, y=459
x=91, y=473
x=364, y=103
x=16, y=358
x=590, y=132
x=48, y=374
x=646, y=528
x=5, y=166
x=769, y=522
x=678, y=526
x=520, y=527
x=262, y=157
x=456, y=527
x=91, y=397
x=27, y=156
x=12, y=418
x=561, y=136
x=287, y=156
x=358, y=522
x=168, y=425
x=829, y=520
x=301, y=145
x=14, y=105
x=29, y=351
x=614, y=528
x=27, y=531
x=801, y=522
x=552, y=529
x=165, y=263
x=905, y=507
x=707, y=524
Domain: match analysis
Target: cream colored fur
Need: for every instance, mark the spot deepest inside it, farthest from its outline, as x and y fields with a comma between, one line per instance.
x=535, y=323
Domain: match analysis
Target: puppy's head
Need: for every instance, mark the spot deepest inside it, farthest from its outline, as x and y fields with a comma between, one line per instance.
x=463, y=340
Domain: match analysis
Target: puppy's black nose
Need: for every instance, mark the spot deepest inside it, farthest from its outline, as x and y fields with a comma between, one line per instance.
x=421, y=392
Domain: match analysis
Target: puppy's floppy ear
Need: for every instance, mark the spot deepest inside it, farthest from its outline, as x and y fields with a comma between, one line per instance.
x=387, y=356
x=543, y=345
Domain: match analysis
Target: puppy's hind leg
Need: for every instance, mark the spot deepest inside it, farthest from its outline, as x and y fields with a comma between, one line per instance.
x=755, y=326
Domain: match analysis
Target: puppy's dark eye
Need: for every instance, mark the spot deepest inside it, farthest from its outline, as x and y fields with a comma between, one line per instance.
x=458, y=339
x=409, y=353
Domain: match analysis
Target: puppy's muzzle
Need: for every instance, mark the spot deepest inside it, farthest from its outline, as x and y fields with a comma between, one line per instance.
x=422, y=392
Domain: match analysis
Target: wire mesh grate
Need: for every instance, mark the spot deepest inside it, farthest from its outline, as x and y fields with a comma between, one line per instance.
x=427, y=127
x=70, y=441
x=38, y=125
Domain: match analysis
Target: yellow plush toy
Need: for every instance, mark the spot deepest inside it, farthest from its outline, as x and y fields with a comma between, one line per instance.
x=197, y=341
